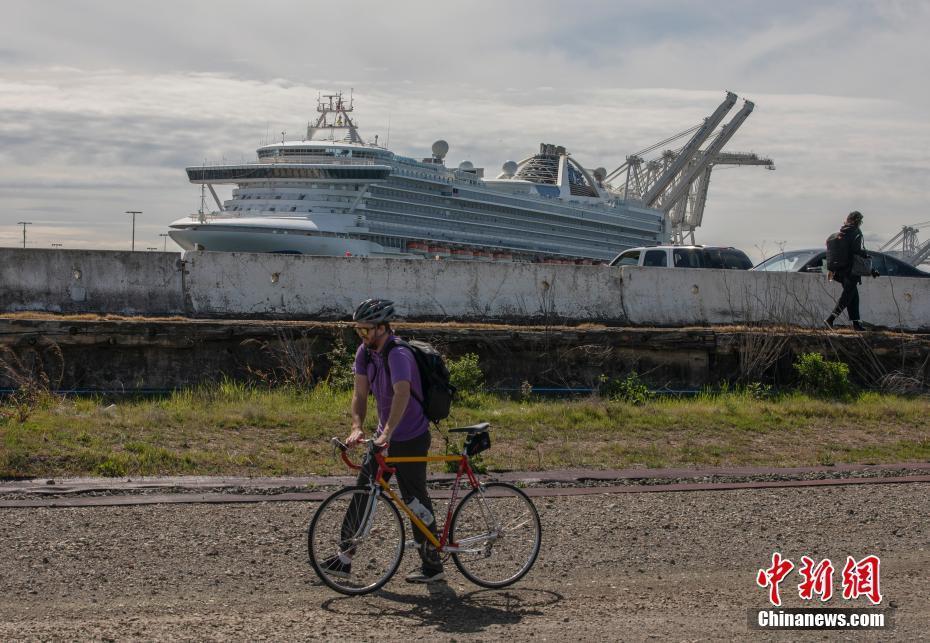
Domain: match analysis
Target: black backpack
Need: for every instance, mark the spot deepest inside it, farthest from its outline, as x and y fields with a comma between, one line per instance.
x=838, y=258
x=438, y=391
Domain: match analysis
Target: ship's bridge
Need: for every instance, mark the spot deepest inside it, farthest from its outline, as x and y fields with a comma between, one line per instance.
x=314, y=151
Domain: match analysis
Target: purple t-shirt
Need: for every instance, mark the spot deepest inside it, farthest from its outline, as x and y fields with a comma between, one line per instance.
x=403, y=366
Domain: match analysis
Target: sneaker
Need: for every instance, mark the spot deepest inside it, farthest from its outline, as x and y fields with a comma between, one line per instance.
x=858, y=325
x=334, y=566
x=424, y=576
x=829, y=321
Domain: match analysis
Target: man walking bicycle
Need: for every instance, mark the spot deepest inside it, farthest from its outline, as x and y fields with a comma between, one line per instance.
x=390, y=373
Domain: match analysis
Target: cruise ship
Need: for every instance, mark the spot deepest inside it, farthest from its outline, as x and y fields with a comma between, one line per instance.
x=331, y=193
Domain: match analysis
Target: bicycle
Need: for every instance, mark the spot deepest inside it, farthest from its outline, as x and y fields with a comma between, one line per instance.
x=493, y=534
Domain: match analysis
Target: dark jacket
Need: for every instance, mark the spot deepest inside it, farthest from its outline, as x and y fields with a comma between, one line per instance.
x=853, y=236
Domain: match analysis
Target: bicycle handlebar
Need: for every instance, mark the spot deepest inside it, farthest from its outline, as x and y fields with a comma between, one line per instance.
x=344, y=450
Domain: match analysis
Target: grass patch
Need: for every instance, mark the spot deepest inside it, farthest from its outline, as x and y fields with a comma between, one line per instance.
x=238, y=430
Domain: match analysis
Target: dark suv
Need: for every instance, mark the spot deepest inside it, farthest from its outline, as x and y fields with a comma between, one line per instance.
x=815, y=260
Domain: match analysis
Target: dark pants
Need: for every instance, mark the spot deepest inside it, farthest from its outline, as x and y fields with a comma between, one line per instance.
x=411, y=478
x=849, y=300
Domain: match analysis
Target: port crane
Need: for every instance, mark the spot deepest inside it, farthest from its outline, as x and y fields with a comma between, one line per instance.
x=906, y=244
x=677, y=181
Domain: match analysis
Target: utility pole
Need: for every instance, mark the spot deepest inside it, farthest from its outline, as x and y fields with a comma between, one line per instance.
x=24, y=224
x=165, y=236
x=133, y=213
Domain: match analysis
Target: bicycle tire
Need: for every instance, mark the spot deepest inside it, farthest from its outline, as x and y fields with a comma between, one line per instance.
x=470, y=521
x=324, y=541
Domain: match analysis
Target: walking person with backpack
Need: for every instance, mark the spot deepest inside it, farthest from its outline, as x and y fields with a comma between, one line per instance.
x=390, y=369
x=847, y=263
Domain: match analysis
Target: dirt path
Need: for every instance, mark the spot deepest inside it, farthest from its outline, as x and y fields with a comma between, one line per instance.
x=664, y=565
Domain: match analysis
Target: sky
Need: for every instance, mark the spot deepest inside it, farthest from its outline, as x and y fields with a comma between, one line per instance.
x=104, y=103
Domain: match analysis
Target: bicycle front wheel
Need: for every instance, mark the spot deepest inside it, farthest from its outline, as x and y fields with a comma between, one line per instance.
x=497, y=534
x=356, y=540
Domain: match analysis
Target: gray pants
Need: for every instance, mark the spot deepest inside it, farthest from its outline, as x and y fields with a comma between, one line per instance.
x=411, y=478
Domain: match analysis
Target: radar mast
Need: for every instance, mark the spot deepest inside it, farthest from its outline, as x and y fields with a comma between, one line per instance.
x=334, y=122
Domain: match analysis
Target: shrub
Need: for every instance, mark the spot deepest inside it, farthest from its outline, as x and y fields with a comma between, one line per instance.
x=341, y=359
x=758, y=390
x=822, y=378
x=465, y=374
x=631, y=389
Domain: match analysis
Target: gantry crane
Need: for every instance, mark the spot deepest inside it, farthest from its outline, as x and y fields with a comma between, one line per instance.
x=678, y=180
x=911, y=249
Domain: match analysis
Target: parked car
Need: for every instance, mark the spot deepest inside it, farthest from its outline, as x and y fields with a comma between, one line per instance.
x=684, y=257
x=815, y=260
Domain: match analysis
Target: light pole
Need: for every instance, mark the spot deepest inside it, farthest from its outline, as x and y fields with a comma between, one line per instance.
x=24, y=224
x=165, y=236
x=133, y=213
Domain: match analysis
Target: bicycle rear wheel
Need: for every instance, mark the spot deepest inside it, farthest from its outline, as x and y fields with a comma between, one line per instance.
x=369, y=535
x=498, y=534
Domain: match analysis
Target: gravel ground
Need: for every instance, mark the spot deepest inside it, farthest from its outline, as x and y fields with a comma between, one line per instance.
x=678, y=566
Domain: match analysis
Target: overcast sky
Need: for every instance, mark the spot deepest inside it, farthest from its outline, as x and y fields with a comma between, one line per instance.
x=103, y=104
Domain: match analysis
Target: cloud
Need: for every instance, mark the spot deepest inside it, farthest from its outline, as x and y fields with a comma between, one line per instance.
x=102, y=105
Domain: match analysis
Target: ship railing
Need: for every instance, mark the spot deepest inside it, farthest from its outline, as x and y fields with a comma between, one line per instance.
x=326, y=160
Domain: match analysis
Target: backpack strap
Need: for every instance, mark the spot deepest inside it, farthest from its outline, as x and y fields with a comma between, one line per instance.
x=388, y=347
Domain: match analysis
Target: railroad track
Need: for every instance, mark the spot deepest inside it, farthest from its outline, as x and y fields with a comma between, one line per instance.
x=90, y=492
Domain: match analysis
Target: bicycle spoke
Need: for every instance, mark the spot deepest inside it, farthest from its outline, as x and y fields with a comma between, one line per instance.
x=374, y=547
x=492, y=556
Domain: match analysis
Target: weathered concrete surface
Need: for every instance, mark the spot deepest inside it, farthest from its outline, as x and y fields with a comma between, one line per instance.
x=91, y=281
x=230, y=284
x=239, y=285
x=126, y=355
x=705, y=297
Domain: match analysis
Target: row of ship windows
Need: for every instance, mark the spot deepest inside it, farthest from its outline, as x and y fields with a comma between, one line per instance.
x=508, y=243
x=600, y=239
x=473, y=205
x=344, y=153
x=300, y=197
x=482, y=218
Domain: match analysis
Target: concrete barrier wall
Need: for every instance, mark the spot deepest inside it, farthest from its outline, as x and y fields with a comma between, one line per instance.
x=230, y=285
x=680, y=297
x=91, y=281
x=225, y=284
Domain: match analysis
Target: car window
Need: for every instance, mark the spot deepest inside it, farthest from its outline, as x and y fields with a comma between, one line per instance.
x=895, y=267
x=628, y=258
x=729, y=258
x=787, y=261
x=656, y=258
x=686, y=258
x=818, y=263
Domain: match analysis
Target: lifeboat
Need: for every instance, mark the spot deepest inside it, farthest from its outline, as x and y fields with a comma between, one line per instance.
x=482, y=255
x=503, y=256
x=439, y=251
x=418, y=247
x=461, y=253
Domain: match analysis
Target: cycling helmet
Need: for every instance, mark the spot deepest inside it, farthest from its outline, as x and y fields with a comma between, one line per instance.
x=374, y=311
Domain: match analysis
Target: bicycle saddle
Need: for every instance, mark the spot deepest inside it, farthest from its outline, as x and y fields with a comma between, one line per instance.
x=475, y=428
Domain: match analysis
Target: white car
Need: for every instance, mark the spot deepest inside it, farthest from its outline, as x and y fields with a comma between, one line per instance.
x=684, y=257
